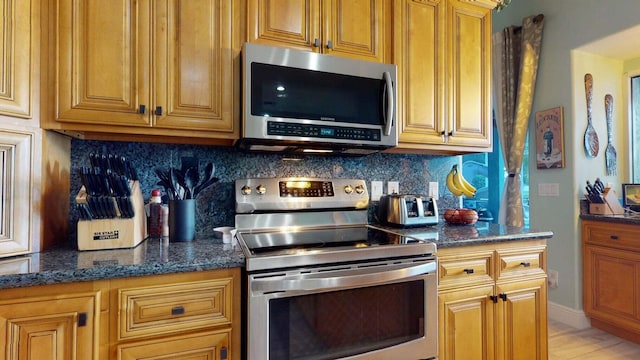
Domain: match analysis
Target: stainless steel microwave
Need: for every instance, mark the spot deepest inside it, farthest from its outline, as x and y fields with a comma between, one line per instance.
x=303, y=102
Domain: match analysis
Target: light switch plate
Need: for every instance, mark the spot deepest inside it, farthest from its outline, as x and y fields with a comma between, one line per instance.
x=393, y=187
x=376, y=190
x=549, y=189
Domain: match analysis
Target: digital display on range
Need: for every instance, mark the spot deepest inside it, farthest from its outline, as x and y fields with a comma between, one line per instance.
x=301, y=188
x=327, y=132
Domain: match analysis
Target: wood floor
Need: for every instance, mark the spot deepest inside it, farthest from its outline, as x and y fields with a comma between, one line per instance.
x=567, y=343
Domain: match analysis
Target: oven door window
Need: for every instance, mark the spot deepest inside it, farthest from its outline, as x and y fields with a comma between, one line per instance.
x=286, y=92
x=337, y=324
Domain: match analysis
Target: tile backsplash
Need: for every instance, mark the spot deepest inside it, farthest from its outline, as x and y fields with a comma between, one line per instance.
x=216, y=204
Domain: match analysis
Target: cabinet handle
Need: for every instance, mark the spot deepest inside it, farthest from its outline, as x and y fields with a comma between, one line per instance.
x=82, y=319
x=614, y=237
x=159, y=110
x=329, y=44
x=468, y=271
x=503, y=296
x=525, y=264
x=493, y=298
x=223, y=353
x=316, y=42
x=452, y=132
x=143, y=109
x=178, y=310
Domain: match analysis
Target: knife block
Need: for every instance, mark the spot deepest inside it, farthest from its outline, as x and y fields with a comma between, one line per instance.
x=116, y=233
x=611, y=204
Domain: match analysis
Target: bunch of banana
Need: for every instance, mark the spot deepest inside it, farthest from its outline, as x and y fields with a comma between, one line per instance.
x=458, y=185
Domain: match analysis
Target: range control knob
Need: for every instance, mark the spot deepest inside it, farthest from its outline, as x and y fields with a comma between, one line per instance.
x=245, y=190
x=348, y=189
x=359, y=189
x=261, y=189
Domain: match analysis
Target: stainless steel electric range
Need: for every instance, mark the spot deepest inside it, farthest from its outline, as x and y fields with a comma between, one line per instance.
x=321, y=283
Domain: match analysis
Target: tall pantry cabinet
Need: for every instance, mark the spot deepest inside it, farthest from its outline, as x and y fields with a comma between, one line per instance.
x=34, y=174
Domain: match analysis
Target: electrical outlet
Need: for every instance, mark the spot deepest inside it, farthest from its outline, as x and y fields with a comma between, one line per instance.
x=393, y=187
x=552, y=279
x=433, y=189
x=376, y=190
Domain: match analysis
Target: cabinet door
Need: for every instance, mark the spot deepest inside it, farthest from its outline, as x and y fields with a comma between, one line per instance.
x=56, y=329
x=19, y=21
x=418, y=53
x=468, y=74
x=288, y=23
x=521, y=320
x=611, y=291
x=19, y=171
x=103, y=55
x=213, y=346
x=358, y=29
x=193, y=61
x=466, y=325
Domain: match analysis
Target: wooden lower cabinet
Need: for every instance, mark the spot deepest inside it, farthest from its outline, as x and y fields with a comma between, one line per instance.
x=611, y=273
x=211, y=346
x=500, y=310
x=50, y=322
x=192, y=315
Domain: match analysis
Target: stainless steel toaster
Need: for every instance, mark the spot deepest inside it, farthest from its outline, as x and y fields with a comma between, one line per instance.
x=407, y=210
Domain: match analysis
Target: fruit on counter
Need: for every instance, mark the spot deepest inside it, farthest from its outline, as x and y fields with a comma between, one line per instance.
x=458, y=185
x=461, y=216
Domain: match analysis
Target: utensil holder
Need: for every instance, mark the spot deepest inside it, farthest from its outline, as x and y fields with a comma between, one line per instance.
x=182, y=220
x=611, y=205
x=116, y=233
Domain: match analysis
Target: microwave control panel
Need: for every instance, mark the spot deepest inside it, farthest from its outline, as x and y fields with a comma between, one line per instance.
x=322, y=131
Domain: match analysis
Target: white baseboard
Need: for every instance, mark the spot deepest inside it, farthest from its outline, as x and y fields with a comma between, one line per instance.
x=569, y=316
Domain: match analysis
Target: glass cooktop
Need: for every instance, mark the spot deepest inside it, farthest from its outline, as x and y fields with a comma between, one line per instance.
x=293, y=247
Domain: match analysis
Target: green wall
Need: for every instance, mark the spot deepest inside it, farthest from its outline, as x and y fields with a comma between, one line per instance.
x=569, y=25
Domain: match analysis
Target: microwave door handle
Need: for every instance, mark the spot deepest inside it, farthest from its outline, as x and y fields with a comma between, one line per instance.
x=390, y=103
x=327, y=280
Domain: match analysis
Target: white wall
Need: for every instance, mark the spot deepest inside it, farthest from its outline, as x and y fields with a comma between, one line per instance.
x=569, y=25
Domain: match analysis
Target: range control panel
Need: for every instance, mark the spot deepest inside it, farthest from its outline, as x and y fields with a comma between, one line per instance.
x=283, y=194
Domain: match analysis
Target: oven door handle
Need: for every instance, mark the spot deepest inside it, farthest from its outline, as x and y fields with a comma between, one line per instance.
x=342, y=278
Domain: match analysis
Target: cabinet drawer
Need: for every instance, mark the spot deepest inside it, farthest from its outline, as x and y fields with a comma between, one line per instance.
x=518, y=263
x=613, y=235
x=158, y=310
x=466, y=268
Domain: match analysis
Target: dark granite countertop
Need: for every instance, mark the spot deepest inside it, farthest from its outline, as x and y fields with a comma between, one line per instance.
x=620, y=219
x=154, y=257
x=445, y=235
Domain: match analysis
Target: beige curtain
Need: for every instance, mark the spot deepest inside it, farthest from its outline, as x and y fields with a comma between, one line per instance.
x=515, y=65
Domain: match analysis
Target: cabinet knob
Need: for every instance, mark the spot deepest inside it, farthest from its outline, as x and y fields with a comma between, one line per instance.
x=178, y=310
x=493, y=298
x=159, y=110
x=316, y=42
x=329, y=44
x=142, y=109
x=503, y=296
x=614, y=237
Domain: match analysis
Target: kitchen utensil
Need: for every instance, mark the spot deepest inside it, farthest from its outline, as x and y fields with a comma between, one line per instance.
x=591, y=142
x=610, y=151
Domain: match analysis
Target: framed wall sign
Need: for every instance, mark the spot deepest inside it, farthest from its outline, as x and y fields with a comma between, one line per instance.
x=549, y=138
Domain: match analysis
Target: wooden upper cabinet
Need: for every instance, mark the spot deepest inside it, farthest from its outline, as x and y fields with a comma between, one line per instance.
x=19, y=42
x=469, y=74
x=151, y=66
x=442, y=49
x=359, y=29
x=103, y=66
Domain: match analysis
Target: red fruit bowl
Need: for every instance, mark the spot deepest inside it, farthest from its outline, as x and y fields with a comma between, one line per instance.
x=460, y=216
